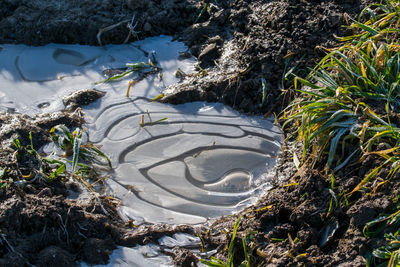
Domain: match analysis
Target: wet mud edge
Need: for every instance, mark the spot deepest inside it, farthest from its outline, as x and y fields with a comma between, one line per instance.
x=236, y=43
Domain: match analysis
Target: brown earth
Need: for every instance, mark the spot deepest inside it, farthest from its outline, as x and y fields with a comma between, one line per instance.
x=237, y=42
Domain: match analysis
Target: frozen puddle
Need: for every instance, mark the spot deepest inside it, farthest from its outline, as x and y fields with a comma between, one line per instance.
x=204, y=161
x=35, y=79
x=139, y=256
x=154, y=254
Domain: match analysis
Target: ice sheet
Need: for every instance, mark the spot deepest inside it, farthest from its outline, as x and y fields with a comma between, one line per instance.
x=203, y=160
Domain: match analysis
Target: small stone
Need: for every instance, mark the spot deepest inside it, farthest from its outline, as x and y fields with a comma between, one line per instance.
x=208, y=55
x=45, y=192
x=216, y=39
x=30, y=189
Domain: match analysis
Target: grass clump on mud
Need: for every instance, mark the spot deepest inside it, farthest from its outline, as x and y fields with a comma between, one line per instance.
x=347, y=111
x=351, y=97
x=30, y=165
x=214, y=262
x=29, y=160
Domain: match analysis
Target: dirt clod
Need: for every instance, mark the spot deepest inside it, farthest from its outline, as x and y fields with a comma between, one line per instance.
x=97, y=251
x=55, y=256
x=184, y=257
x=81, y=98
x=208, y=55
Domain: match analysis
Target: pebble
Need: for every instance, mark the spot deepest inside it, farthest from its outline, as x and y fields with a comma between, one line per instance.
x=45, y=192
x=208, y=55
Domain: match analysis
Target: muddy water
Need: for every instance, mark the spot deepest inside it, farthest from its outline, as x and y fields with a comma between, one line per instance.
x=201, y=161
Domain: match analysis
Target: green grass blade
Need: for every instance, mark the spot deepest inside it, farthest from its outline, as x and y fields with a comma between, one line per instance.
x=366, y=179
x=116, y=77
x=137, y=66
x=57, y=172
x=232, y=243
x=102, y=155
x=17, y=143
x=366, y=28
x=212, y=263
x=31, y=141
x=246, y=255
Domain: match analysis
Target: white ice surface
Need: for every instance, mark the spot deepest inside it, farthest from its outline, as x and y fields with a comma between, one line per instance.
x=34, y=79
x=139, y=256
x=205, y=160
x=180, y=240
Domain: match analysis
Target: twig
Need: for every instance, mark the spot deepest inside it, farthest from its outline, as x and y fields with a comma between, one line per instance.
x=108, y=28
x=63, y=225
x=9, y=247
x=131, y=28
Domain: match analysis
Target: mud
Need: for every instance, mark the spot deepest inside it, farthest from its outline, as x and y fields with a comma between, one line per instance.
x=237, y=43
x=41, y=22
x=81, y=98
x=247, y=40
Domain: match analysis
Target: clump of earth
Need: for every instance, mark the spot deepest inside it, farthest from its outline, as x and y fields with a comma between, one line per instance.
x=237, y=43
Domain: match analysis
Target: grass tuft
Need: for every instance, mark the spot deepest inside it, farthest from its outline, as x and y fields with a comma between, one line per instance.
x=214, y=262
x=338, y=113
x=348, y=109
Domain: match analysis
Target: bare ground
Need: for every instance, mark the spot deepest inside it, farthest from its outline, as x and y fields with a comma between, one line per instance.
x=237, y=43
